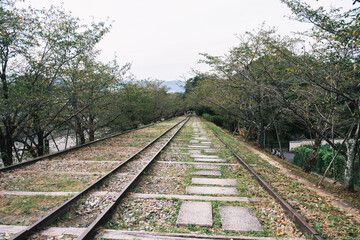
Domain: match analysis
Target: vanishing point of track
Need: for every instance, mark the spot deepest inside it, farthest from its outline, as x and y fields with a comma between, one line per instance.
x=152, y=151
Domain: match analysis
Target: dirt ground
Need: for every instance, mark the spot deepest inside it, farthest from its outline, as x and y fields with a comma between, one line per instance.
x=337, y=202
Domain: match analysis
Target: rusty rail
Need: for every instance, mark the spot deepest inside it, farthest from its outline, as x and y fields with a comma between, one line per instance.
x=58, y=153
x=62, y=209
x=290, y=211
x=107, y=213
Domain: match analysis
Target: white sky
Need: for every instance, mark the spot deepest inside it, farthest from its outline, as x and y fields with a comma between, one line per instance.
x=163, y=38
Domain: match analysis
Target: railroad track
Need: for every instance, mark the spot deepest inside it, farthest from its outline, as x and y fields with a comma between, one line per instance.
x=120, y=181
x=196, y=172
x=68, y=150
x=300, y=221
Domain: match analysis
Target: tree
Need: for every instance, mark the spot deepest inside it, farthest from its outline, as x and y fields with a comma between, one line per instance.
x=238, y=85
x=35, y=46
x=337, y=54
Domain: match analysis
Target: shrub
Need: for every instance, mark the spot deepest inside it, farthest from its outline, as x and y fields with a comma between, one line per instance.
x=301, y=154
x=218, y=120
x=323, y=160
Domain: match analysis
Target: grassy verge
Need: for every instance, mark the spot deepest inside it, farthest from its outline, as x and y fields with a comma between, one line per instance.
x=318, y=211
x=24, y=210
x=36, y=182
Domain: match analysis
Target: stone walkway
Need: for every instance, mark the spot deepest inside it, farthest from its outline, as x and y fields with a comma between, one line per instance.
x=208, y=175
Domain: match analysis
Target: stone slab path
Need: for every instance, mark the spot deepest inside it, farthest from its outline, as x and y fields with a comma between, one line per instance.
x=210, y=150
x=203, y=156
x=194, y=197
x=239, y=219
x=211, y=190
x=208, y=164
x=129, y=235
x=207, y=167
x=209, y=160
x=214, y=181
x=198, y=163
x=197, y=146
x=207, y=173
x=198, y=213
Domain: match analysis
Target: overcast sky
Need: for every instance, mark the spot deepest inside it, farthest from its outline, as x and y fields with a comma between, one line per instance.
x=163, y=38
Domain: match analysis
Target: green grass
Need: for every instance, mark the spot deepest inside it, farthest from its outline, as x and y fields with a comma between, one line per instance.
x=318, y=211
x=49, y=182
x=29, y=204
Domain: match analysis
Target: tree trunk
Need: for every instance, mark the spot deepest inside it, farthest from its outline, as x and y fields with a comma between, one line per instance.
x=261, y=126
x=310, y=161
x=260, y=137
x=41, y=143
x=46, y=146
x=6, y=143
x=352, y=146
x=349, y=171
x=91, y=128
x=79, y=130
x=279, y=142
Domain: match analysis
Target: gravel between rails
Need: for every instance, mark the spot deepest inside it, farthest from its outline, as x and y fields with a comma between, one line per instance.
x=88, y=207
x=159, y=215
x=91, y=159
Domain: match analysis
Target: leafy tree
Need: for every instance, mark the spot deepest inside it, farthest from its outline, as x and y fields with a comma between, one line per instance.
x=17, y=39
x=239, y=84
x=35, y=46
x=337, y=53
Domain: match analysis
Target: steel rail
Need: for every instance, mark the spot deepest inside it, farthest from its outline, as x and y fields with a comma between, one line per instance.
x=58, y=153
x=63, y=208
x=290, y=211
x=107, y=213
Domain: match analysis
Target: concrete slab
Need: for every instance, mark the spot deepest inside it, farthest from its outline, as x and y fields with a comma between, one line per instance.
x=207, y=167
x=201, y=138
x=197, y=163
x=214, y=181
x=211, y=150
x=198, y=146
x=62, y=231
x=205, y=142
x=211, y=190
x=195, y=151
x=142, y=235
x=194, y=197
x=207, y=173
x=239, y=219
x=194, y=141
x=203, y=156
x=11, y=229
x=130, y=235
x=198, y=213
x=209, y=160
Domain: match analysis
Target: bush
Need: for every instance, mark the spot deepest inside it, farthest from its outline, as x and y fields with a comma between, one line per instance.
x=218, y=120
x=207, y=116
x=301, y=154
x=323, y=160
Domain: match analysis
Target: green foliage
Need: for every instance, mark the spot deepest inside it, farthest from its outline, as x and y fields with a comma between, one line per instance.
x=269, y=79
x=302, y=153
x=51, y=80
x=323, y=160
x=218, y=120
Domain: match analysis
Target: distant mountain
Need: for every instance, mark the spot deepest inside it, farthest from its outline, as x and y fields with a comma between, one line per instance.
x=175, y=86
